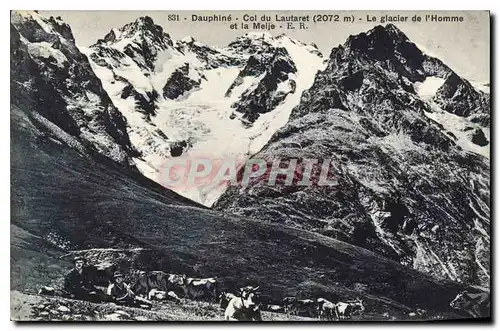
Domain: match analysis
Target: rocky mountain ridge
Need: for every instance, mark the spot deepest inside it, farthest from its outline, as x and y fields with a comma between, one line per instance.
x=50, y=76
x=406, y=187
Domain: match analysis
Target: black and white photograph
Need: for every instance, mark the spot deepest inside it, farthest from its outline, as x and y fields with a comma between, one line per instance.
x=255, y=166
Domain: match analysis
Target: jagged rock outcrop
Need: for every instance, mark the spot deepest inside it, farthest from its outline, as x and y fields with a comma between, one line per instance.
x=275, y=65
x=211, y=57
x=150, y=64
x=391, y=48
x=130, y=54
x=276, y=69
x=478, y=137
x=459, y=97
x=179, y=83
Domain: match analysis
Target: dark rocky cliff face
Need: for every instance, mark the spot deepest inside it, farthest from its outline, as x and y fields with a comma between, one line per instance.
x=50, y=76
x=275, y=65
x=179, y=82
x=391, y=48
x=403, y=188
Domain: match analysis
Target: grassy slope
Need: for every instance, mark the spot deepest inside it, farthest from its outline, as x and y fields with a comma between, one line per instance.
x=98, y=204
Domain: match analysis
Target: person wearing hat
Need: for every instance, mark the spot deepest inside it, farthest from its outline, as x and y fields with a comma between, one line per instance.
x=121, y=293
x=119, y=290
x=79, y=282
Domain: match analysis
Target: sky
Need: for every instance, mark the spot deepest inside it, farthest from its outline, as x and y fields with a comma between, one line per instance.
x=463, y=46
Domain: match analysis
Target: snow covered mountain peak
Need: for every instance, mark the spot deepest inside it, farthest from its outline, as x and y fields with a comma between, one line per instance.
x=209, y=57
x=380, y=39
x=258, y=42
x=391, y=49
x=142, y=30
x=390, y=29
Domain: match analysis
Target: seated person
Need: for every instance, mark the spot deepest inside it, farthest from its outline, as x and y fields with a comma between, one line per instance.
x=79, y=282
x=121, y=293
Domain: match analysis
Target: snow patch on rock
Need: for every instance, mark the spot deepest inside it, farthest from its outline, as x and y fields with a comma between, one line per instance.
x=45, y=50
x=428, y=88
x=459, y=127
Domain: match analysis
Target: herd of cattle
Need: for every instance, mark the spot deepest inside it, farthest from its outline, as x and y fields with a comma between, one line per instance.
x=245, y=304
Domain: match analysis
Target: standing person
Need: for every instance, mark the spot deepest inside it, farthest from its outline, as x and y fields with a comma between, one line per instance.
x=79, y=282
x=121, y=293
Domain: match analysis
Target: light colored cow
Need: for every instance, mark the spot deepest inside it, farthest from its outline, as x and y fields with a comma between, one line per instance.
x=325, y=309
x=224, y=298
x=274, y=308
x=345, y=310
x=155, y=294
x=244, y=307
x=47, y=290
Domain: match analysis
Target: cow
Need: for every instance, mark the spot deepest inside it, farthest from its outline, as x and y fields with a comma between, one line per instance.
x=417, y=314
x=224, y=298
x=47, y=290
x=344, y=310
x=244, y=306
x=274, y=308
x=325, y=309
x=475, y=304
x=305, y=307
x=158, y=280
x=200, y=288
x=162, y=295
x=287, y=303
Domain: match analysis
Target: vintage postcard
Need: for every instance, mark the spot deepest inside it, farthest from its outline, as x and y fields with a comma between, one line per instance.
x=320, y=166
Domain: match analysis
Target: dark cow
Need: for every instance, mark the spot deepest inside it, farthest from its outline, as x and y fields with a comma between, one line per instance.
x=287, y=303
x=345, y=310
x=200, y=288
x=245, y=306
x=306, y=307
x=157, y=280
x=475, y=304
